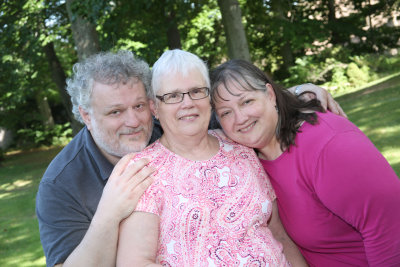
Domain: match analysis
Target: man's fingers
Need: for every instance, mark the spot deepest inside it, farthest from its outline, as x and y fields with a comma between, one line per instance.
x=134, y=167
x=121, y=165
x=141, y=176
x=140, y=187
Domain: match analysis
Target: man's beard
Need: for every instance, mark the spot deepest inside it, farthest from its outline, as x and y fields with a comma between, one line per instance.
x=115, y=147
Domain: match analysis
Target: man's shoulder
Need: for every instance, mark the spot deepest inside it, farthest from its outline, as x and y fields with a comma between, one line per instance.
x=70, y=158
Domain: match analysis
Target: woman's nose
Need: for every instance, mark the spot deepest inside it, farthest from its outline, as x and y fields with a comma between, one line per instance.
x=187, y=101
x=240, y=117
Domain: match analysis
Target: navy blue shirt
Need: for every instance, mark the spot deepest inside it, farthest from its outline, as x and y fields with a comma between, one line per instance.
x=68, y=195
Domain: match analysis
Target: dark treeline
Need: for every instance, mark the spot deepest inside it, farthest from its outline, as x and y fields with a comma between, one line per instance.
x=41, y=40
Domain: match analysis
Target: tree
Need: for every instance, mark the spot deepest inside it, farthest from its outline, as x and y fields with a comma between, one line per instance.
x=28, y=92
x=234, y=30
x=83, y=30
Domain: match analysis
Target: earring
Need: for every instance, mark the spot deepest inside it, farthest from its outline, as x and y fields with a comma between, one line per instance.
x=278, y=125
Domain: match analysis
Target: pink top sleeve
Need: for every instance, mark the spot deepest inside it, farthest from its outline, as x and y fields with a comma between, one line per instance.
x=350, y=186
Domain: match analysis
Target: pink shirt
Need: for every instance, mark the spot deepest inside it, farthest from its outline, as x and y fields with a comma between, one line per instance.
x=212, y=212
x=338, y=197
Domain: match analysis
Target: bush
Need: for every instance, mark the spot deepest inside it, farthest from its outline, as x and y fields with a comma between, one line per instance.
x=357, y=76
x=37, y=136
x=335, y=69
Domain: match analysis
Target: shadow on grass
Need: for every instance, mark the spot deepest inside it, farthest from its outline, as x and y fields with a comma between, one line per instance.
x=20, y=175
x=20, y=244
x=389, y=83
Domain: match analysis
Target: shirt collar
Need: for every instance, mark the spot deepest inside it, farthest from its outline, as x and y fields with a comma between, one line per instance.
x=105, y=167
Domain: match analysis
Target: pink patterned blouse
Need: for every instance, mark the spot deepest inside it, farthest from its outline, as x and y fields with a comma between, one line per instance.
x=212, y=212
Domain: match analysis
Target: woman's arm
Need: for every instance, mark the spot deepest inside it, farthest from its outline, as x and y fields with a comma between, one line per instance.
x=321, y=94
x=290, y=249
x=138, y=240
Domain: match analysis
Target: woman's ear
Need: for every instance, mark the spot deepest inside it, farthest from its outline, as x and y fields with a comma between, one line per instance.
x=270, y=92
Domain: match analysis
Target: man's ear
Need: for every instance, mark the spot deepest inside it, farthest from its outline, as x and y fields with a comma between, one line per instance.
x=86, y=117
x=153, y=108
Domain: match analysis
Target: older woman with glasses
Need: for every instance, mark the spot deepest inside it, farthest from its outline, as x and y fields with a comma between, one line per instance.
x=211, y=203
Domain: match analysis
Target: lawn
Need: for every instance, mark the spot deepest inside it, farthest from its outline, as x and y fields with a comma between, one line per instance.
x=19, y=178
x=375, y=109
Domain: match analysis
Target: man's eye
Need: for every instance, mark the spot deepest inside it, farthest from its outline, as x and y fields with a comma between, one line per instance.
x=140, y=106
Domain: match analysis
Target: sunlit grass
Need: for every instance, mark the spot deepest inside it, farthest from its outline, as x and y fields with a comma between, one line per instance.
x=19, y=178
x=375, y=109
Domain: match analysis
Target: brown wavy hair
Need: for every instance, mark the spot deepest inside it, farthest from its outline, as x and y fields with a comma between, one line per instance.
x=292, y=111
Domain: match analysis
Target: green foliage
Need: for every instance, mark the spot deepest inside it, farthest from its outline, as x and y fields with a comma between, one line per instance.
x=295, y=41
x=42, y=135
x=357, y=76
x=336, y=69
x=25, y=28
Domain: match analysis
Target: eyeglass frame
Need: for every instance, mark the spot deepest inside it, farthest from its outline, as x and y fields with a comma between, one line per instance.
x=161, y=97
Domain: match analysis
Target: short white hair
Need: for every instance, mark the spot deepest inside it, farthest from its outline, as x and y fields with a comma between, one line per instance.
x=177, y=61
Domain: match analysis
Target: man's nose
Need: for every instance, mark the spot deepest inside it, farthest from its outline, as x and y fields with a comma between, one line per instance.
x=131, y=118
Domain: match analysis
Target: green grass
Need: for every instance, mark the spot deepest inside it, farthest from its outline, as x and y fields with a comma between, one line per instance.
x=375, y=109
x=19, y=178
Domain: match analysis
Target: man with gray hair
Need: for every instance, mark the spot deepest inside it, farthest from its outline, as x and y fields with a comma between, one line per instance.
x=88, y=188
x=81, y=200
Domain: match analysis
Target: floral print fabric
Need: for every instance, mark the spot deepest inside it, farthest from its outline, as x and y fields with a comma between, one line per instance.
x=213, y=212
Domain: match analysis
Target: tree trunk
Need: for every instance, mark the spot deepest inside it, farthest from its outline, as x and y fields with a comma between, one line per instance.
x=84, y=33
x=335, y=37
x=58, y=76
x=173, y=36
x=234, y=30
x=44, y=109
x=285, y=49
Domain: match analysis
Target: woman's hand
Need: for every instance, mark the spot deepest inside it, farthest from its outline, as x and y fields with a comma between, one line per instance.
x=310, y=91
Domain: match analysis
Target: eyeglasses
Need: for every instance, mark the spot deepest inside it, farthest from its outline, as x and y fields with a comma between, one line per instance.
x=177, y=97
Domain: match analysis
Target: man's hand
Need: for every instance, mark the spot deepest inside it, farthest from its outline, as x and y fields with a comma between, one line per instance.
x=121, y=194
x=124, y=188
x=326, y=99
